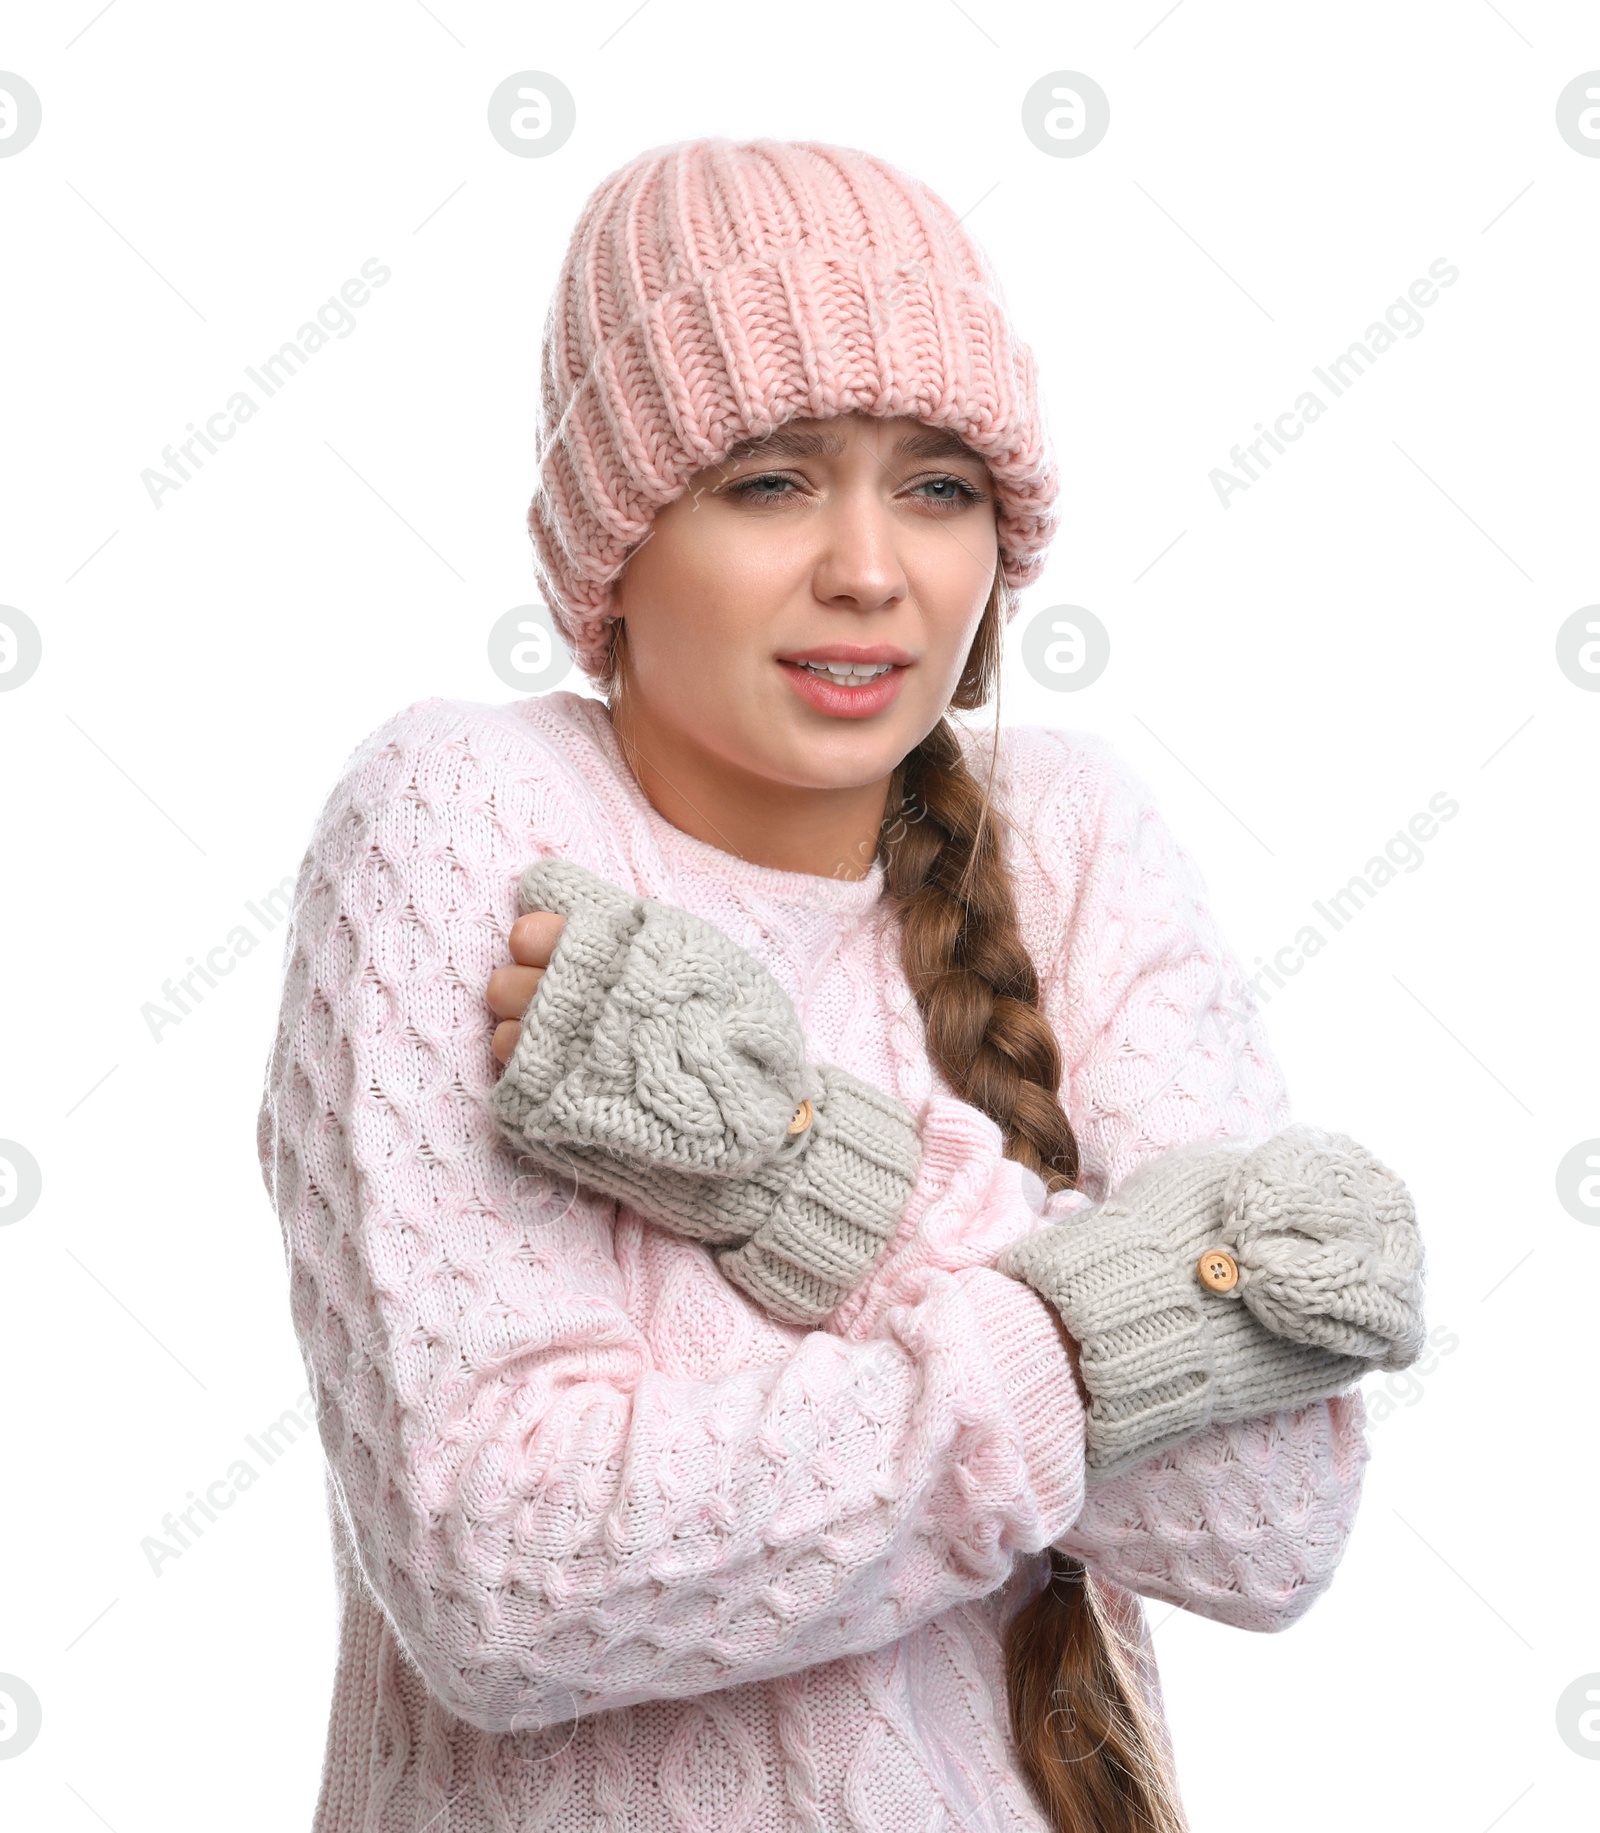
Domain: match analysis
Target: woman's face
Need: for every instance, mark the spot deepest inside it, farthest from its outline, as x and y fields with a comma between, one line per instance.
x=855, y=541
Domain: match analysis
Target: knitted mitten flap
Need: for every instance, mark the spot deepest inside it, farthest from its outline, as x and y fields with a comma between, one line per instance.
x=1163, y=1354
x=1326, y=1241
x=661, y=1064
x=652, y=1034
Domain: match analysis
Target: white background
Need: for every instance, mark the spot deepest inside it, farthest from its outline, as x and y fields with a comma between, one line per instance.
x=1371, y=623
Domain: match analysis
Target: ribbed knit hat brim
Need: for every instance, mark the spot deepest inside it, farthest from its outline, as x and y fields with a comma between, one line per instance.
x=713, y=290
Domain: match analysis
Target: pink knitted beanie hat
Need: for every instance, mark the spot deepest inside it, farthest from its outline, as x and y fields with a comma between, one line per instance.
x=713, y=290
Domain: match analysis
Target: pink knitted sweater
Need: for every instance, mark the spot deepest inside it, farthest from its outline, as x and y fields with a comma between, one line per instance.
x=616, y=1550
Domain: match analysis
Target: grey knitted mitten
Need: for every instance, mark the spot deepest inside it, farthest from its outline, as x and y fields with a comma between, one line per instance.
x=661, y=1064
x=1219, y=1282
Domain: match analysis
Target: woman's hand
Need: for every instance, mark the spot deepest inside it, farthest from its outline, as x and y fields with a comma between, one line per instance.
x=1221, y=1280
x=511, y=989
x=662, y=1065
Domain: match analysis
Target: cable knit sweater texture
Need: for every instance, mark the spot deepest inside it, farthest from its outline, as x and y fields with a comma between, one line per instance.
x=618, y=1551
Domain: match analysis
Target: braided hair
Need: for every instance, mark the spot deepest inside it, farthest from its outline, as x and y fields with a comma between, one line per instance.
x=1083, y=1729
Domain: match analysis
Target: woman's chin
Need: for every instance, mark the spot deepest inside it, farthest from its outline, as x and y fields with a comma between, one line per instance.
x=842, y=760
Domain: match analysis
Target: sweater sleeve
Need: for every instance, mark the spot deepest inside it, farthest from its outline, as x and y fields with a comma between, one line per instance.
x=553, y=1522
x=1164, y=1044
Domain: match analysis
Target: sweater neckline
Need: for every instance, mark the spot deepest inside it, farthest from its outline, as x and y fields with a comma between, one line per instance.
x=685, y=852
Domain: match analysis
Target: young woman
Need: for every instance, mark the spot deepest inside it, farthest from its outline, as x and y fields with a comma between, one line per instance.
x=761, y=1373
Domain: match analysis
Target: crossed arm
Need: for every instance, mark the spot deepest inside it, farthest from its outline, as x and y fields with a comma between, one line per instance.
x=553, y=1523
x=1159, y=1052
x=1244, y=1522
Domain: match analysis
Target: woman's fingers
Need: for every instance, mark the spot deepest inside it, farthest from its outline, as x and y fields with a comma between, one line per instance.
x=534, y=937
x=511, y=990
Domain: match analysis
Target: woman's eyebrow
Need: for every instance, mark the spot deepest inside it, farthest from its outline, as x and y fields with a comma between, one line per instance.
x=934, y=442
x=806, y=442
x=789, y=442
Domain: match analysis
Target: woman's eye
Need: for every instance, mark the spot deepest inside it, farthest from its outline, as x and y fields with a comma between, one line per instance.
x=773, y=486
x=947, y=490
x=763, y=488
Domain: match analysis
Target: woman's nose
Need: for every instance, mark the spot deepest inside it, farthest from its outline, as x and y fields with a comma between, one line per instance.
x=859, y=567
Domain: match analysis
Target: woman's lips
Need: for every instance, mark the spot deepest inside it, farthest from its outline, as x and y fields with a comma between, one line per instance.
x=844, y=702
